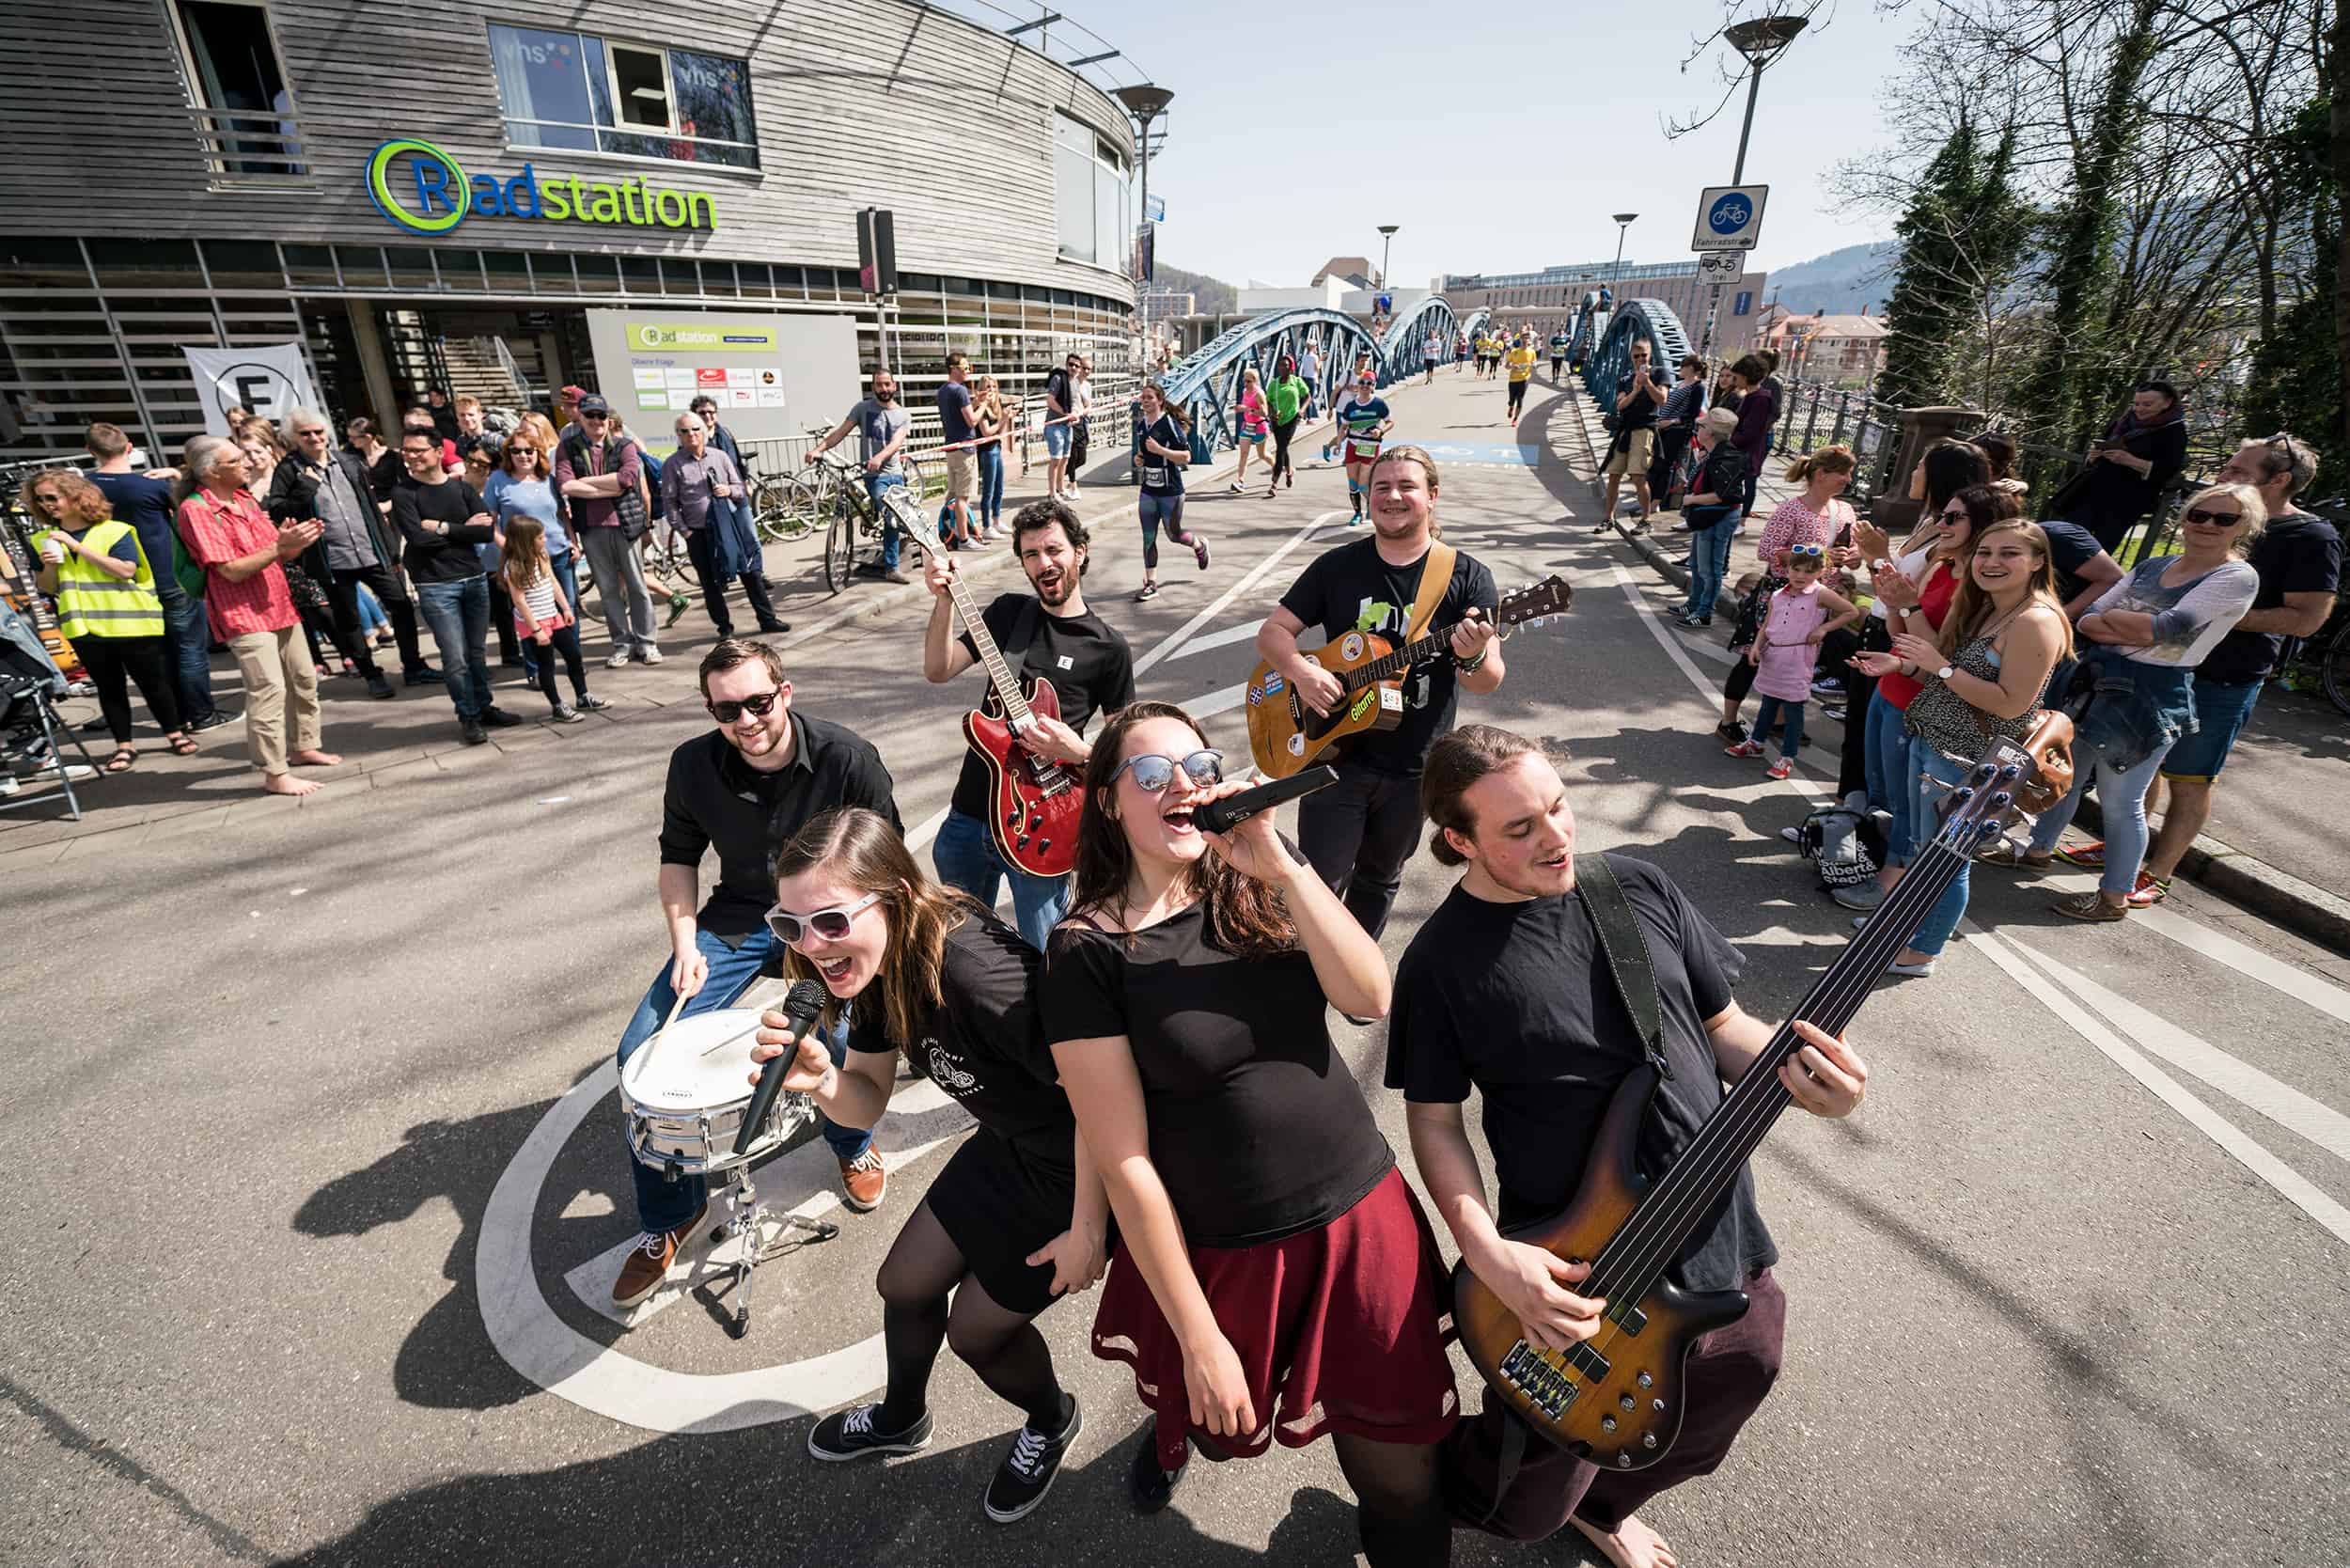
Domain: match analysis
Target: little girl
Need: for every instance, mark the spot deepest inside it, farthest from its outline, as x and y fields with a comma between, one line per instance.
x=1801, y=615
x=1255, y=424
x=542, y=615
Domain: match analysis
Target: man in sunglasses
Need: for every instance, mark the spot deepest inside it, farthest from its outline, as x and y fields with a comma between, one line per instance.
x=1060, y=400
x=742, y=791
x=1049, y=636
x=882, y=427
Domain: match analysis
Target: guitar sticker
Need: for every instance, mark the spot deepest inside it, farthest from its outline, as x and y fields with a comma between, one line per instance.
x=1298, y=745
x=1273, y=685
x=1351, y=647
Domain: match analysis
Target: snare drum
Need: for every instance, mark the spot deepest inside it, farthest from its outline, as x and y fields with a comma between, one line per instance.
x=685, y=1089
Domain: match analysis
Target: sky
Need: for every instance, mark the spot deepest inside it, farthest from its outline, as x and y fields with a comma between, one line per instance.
x=1500, y=138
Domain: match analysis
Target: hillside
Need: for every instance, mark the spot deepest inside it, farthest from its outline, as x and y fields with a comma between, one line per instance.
x=1842, y=282
x=1211, y=296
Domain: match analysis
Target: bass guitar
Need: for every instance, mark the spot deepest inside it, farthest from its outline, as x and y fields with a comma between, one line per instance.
x=1033, y=803
x=1615, y=1399
x=1285, y=736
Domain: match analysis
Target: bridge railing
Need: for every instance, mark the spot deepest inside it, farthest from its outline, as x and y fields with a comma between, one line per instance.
x=1818, y=416
x=1207, y=387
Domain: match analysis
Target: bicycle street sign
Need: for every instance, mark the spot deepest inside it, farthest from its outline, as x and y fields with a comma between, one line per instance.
x=1730, y=217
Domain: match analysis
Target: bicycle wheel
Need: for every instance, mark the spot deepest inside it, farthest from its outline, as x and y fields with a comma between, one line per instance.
x=784, y=508
x=2337, y=671
x=841, y=543
x=918, y=478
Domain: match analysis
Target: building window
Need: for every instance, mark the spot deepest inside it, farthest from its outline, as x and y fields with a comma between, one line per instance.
x=1089, y=194
x=1744, y=304
x=575, y=90
x=245, y=113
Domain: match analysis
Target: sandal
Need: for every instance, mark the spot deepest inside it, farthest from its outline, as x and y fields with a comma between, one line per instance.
x=120, y=762
x=183, y=744
x=2005, y=854
x=1150, y=590
x=2090, y=906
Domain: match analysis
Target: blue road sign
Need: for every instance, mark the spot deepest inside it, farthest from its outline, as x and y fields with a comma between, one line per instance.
x=1730, y=217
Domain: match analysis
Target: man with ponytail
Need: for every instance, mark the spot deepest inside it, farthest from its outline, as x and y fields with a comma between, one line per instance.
x=1508, y=990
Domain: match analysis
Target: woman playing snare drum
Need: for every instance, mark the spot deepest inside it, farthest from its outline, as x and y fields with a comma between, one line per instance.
x=1018, y=1216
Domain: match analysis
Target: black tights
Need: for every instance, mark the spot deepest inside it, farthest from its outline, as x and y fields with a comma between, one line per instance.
x=1281, y=433
x=1002, y=1347
x=564, y=641
x=1400, y=1510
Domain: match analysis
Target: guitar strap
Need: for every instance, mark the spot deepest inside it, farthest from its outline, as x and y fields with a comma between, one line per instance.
x=1435, y=575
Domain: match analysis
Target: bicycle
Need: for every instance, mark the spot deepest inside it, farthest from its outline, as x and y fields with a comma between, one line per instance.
x=855, y=523
x=787, y=506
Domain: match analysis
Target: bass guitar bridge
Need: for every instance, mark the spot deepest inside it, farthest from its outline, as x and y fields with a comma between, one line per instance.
x=1546, y=1385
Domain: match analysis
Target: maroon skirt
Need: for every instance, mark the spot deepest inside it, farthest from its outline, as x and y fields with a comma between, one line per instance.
x=1340, y=1328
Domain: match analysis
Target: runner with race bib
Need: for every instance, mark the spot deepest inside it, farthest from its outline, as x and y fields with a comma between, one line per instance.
x=1361, y=423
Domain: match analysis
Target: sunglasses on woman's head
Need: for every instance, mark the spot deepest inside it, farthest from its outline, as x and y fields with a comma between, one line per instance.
x=757, y=706
x=1154, y=772
x=831, y=924
x=2214, y=519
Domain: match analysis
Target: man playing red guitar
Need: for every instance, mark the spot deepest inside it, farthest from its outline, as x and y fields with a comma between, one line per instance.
x=1507, y=989
x=1049, y=636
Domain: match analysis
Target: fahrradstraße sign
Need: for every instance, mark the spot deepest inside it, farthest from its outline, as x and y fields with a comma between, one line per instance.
x=1730, y=217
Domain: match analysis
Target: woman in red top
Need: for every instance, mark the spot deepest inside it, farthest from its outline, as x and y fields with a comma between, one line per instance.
x=1274, y=1277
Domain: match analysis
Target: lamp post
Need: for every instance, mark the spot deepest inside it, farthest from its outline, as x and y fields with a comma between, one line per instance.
x=1386, y=248
x=1624, y=224
x=1761, y=39
x=1145, y=102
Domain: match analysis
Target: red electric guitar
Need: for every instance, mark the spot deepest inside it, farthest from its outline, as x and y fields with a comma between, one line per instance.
x=1033, y=803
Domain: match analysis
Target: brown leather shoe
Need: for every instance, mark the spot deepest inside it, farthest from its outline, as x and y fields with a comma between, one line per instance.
x=864, y=1181
x=649, y=1264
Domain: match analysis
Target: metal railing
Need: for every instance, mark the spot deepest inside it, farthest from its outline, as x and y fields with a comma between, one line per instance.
x=263, y=145
x=1817, y=415
x=1106, y=420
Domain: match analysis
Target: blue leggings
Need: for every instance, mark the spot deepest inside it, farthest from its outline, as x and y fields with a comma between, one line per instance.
x=1161, y=511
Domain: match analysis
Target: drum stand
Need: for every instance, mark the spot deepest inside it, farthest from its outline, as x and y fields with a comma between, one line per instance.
x=792, y=1111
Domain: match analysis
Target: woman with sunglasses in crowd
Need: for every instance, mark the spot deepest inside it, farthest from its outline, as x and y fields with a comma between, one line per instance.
x=2143, y=639
x=1018, y=1216
x=1274, y=1275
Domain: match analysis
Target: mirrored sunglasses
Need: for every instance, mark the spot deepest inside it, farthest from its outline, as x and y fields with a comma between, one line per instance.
x=1153, y=773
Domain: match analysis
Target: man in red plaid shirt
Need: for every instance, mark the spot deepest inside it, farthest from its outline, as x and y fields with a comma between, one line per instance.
x=244, y=556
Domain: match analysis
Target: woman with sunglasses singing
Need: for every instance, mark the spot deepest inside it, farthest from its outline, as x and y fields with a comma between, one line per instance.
x=1018, y=1216
x=1274, y=1275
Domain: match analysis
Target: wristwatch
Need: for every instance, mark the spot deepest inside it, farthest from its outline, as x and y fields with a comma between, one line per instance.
x=1946, y=673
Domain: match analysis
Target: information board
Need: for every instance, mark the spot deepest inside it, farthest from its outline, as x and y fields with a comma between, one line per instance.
x=772, y=376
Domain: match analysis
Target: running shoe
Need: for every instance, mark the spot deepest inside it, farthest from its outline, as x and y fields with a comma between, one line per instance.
x=1200, y=551
x=1747, y=747
x=1780, y=769
x=677, y=604
x=1027, y=1471
x=2150, y=891
x=850, y=1435
x=1150, y=590
x=2090, y=857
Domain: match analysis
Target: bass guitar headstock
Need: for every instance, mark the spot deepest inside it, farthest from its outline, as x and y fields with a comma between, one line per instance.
x=2009, y=780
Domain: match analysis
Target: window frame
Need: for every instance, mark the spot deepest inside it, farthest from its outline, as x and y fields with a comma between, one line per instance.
x=668, y=88
x=1102, y=155
x=607, y=44
x=191, y=83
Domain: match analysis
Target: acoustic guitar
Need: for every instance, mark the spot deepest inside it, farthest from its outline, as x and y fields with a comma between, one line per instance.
x=1615, y=1399
x=1033, y=803
x=1285, y=736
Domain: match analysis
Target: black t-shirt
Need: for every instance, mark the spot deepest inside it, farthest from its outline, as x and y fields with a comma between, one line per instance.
x=1640, y=413
x=1516, y=1000
x=954, y=413
x=716, y=799
x=2070, y=548
x=1257, y=1127
x=1353, y=589
x=438, y=556
x=1090, y=666
x=146, y=505
x=2297, y=553
x=1056, y=388
x=1158, y=475
x=984, y=1042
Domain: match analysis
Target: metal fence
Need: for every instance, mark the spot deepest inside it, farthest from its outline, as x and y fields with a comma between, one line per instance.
x=1106, y=430
x=1818, y=416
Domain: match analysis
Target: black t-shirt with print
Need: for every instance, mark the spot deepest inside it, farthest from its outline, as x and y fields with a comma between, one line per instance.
x=1257, y=1127
x=1516, y=1000
x=984, y=1042
x=2297, y=553
x=1091, y=669
x=1158, y=475
x=1352, y=589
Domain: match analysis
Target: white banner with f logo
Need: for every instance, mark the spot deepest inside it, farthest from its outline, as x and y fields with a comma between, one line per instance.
x=271, y=379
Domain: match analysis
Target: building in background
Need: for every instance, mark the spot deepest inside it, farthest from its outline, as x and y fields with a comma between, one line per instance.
x=437, y=197
x=1841, y=351
x=1157, y=306
x=1553, y=295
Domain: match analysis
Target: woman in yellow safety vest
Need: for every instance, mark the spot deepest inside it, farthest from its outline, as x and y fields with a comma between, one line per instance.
x=107, y=607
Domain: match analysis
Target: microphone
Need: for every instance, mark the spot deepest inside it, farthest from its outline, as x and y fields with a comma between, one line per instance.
x=800, y=1007
x=1222, y=816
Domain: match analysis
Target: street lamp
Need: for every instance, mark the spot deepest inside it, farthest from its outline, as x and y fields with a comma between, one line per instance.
x=1145, y=102
x=1761, y=39
x=1386, y=248
x=1624, y=221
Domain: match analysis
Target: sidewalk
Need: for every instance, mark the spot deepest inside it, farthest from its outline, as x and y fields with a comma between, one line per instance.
x=2275, y=806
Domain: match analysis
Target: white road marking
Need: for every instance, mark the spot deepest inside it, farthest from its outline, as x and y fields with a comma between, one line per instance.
x=2290, y=1183
x=1176, y=638
x=1225, y=638
x=2299, y=984
x=1222, y=700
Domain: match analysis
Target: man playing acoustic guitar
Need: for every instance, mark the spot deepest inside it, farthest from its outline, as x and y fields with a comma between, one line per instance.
x=1048, y=636
x=1507, y=989
x=1358, y=833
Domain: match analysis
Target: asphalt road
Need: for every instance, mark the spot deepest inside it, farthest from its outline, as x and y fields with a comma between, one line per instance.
x=309, y=1140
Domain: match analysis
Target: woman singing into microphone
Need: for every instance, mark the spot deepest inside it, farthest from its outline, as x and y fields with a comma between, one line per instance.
x=1018, y=1214
x=1274, y=1277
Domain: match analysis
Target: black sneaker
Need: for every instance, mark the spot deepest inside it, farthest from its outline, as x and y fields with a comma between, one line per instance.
x=378, y=688
x=212, y=720
x=1733, y=731
x=423, y=674
x=566, y=714
x=1027, y=1471
x=471, y=732
x=1149, y=1488
x=499, y=718
x=589, y=702
x=850, y=1435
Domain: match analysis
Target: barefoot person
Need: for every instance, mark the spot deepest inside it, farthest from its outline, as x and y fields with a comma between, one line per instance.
x=1507, y=990
x=244, y=558
x=1274, y=1277
x=1018, y=1216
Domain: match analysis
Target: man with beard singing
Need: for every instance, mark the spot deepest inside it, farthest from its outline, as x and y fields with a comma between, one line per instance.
x=1050, y=637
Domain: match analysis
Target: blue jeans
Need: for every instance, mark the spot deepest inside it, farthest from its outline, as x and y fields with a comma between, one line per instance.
x=965, y=855
x=661, y=1203
x=1711, y=529
x=991, y=485
x=565, y=565
x=371, y=615
x=2123, y=794
x=459, y=614
x=1766, y=717
x=1886, y=750
x=892, y=535
x=1931, y=771
x=191, y=667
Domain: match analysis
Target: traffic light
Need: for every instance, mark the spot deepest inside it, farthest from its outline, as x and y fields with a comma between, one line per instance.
x=877, y=251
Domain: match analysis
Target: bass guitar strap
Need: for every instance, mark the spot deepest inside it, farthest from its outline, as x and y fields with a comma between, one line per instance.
x=1435, y=575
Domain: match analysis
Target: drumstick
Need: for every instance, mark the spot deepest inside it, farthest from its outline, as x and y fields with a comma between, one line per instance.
x=675, y=1007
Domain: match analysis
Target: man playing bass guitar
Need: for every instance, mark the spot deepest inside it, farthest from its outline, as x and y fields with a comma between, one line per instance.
x=1358, y=833
x=1049, y=636
x=1507, y=989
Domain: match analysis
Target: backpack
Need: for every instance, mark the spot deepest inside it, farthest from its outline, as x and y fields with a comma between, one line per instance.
x=1846, y=846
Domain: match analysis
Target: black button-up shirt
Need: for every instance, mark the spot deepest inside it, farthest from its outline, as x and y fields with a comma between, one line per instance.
x=714, y=798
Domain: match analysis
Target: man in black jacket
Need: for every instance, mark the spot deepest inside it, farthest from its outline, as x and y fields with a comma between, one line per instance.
x=317, y=481
x=442, y=519
x=2138, y=456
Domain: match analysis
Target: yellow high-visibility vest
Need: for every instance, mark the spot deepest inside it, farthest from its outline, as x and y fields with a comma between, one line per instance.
x=90, y=604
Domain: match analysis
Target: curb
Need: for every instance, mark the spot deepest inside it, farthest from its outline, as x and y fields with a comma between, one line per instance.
x=2252, y=884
